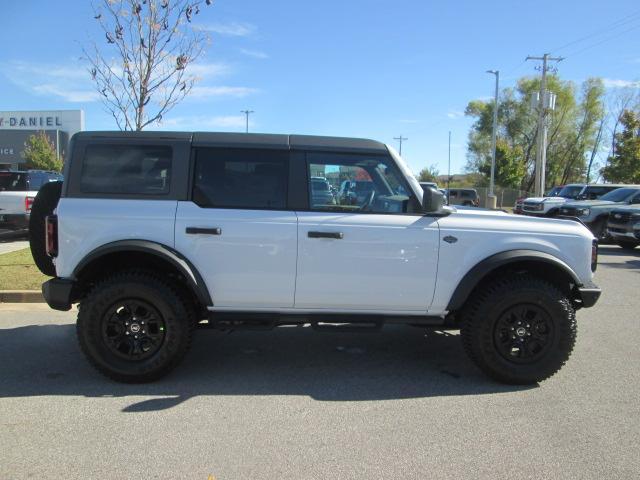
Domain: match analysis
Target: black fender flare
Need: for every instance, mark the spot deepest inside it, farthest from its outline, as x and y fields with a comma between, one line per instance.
x=489, y=264
x=168, y=254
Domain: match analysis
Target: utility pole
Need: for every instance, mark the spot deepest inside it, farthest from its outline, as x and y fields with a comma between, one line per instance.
x=247, y=113
x=491, y=196
x=544, y=103
x=449, y=168
x=400, y=139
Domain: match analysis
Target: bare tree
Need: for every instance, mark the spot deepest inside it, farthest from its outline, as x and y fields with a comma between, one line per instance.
x=141, y=66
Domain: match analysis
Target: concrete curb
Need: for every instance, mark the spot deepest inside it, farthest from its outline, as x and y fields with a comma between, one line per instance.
x=21, y=296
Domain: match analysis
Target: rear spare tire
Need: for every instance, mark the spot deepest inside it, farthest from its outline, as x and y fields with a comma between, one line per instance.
x=44, y=204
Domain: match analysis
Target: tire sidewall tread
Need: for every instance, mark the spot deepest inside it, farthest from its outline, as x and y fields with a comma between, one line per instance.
x=486, y=305
x=153, y=289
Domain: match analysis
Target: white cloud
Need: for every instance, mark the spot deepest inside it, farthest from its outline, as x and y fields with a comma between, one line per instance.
x=455, y=114
x=617, y=83
x=202, y=70
x=233, y=29
x=203, y=122
x=201, y=91
x=254, y=53
x=69, y=83
x=69, y=95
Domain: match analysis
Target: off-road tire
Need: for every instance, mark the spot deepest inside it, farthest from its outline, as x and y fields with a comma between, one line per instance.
x=43, y=205
x=600, y=231
x=627, y=244
x=142, y=286
x=487, y=306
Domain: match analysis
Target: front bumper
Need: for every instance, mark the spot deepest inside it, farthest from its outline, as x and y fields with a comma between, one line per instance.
x=58, y=293
x=14, y=221
x=589, y=293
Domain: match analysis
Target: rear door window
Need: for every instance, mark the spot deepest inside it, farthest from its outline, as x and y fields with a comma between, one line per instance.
x=126, y=169
x=241, y=178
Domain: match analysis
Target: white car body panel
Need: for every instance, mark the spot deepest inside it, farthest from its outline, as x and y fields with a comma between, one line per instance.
x=384, y=262
x=482, y=234
x=86, y=224
x=251, y=264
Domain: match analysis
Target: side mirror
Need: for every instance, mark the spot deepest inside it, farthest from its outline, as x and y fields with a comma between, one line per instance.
x=432, y=200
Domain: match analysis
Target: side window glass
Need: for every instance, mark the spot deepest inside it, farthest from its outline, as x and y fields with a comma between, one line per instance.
x=126, y=169
x=355, y=183
x=241, y=178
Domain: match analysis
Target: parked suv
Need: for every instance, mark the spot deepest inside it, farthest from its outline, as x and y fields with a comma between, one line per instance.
x=157, y=233
x=548, y=205
x=17, y=190
x=467, y=197
x=594, y=213
x=624, y=226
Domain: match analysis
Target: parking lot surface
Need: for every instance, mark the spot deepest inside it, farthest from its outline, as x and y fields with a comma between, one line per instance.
x=292, y=403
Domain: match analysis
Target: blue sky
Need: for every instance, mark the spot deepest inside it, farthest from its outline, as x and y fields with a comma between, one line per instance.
x=367, y=68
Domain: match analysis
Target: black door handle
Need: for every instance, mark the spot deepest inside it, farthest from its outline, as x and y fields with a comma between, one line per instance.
x=204, y=231
x=336, y=235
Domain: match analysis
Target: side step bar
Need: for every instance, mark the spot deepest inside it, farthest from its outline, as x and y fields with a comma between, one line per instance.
x=319, y=322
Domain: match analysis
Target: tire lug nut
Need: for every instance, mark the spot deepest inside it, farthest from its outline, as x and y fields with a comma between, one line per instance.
x=135, y=336
x=126, y=333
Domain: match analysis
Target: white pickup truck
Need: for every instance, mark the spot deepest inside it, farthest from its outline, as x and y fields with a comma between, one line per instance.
x=17, y=191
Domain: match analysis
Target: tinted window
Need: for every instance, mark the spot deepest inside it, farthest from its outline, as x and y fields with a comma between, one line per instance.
x=570, y=191
x=13, y=182
x=126, y=169
x=241, y=178
x=363, y=184
x=619, y=195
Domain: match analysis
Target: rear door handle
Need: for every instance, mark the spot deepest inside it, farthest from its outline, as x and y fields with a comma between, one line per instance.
x=335, y=235
x=203, y=231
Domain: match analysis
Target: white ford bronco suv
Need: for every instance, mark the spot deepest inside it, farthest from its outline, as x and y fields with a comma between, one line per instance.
x=154, y=234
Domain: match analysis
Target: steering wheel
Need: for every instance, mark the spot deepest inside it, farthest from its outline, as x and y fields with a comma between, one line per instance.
x=369, y=202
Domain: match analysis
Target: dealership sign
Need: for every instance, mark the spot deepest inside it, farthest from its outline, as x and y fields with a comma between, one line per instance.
x=30, y=122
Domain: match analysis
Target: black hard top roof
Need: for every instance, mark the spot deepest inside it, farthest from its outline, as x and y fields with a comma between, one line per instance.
x=250, y=140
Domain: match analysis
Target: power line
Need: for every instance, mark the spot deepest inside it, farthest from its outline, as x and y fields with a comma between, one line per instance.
x=607, y=29
x=400, y=139
x=602, y=41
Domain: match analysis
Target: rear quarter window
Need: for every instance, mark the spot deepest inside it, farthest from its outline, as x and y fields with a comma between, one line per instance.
x=126, y=169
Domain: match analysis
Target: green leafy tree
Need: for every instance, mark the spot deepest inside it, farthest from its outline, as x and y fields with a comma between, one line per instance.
x=40, y=153
x=624, y=164
x=572, y=132
x=429, y=174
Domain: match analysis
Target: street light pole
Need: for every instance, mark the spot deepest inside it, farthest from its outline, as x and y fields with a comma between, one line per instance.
x=449, y=168
x=494, y=132
x=247, y=113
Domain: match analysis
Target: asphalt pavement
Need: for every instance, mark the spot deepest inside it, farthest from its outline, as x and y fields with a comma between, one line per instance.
x=296, y=404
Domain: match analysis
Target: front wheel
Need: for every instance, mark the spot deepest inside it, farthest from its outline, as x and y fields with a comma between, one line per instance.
x=134, y=327
x=519, y=329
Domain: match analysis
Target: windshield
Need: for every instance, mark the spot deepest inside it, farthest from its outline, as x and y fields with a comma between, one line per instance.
x=619, y=194
x=13, y=182
x=319, y=186
x=571, y=191
x=408, y=174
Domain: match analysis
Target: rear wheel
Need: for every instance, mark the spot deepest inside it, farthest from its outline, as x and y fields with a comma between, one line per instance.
x=627, y=244
x=519, y=329
x=134, y=327
x=599, y=230
x=43, y=205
